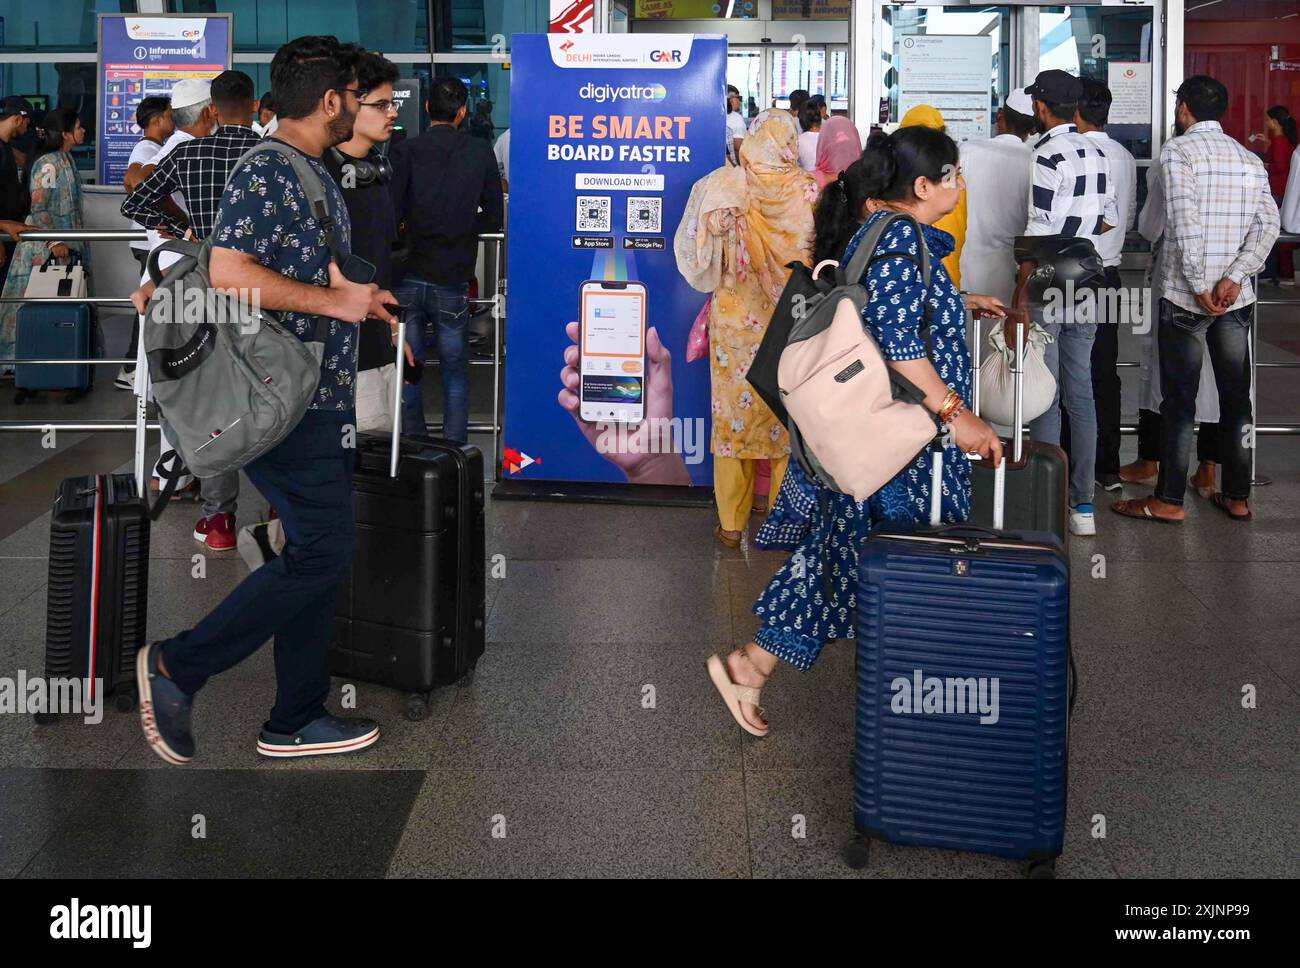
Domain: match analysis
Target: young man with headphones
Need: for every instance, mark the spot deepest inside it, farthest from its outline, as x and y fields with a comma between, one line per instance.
x=364, y=174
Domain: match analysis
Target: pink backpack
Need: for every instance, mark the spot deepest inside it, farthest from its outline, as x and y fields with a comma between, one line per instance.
x=854, y=423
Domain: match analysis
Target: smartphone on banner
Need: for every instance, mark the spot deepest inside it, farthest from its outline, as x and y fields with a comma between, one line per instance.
x=612, y=348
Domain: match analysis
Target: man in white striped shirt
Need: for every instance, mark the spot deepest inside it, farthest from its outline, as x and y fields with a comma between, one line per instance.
x=1221, y=222
x=1071, y=194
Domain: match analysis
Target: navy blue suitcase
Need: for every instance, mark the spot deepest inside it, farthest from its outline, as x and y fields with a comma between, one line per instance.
x=950, y=618
x=53, y=331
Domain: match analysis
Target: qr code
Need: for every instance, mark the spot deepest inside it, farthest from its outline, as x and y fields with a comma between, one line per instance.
x=593, y=213
x=645, y=214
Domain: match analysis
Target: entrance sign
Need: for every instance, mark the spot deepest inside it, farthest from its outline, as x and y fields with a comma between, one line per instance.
x=1130, y=91
x=952, y=74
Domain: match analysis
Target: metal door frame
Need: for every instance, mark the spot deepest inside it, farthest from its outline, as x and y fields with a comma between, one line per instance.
x=1166, y=52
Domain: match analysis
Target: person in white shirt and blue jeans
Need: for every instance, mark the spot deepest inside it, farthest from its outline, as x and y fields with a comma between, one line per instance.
x=1221, y=222
x=1071, y=194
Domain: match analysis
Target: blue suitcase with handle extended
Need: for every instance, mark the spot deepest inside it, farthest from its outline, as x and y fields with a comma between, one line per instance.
x=965, y=683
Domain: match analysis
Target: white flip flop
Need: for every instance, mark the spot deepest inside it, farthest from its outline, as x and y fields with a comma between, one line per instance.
x=733, y=694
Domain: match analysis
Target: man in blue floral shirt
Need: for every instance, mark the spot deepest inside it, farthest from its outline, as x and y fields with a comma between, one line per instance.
x=266, y=238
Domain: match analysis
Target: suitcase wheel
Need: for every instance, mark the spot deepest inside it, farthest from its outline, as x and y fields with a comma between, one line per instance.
x=857, y=852
x=45, y=719
x=468, y=678
x=417, y=706
x=124, y=702
x=1041, y=870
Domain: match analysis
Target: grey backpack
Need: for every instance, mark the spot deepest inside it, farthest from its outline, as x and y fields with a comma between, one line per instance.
x=229, y=380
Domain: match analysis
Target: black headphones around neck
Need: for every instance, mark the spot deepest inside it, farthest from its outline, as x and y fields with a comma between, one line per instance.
x=374, y=169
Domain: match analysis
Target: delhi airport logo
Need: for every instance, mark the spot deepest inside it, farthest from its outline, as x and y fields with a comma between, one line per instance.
x=567, y=46
x=515, y=461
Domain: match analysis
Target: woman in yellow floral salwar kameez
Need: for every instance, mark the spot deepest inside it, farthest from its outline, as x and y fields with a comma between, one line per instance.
x=742, y=226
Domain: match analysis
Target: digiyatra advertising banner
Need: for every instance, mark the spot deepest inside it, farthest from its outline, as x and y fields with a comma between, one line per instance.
x=608, y=134
x=142, y=57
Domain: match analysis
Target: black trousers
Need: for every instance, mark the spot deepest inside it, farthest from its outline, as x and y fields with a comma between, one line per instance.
x=1151, y=438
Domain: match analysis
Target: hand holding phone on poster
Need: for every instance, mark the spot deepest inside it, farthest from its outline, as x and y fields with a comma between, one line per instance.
x=635, y=460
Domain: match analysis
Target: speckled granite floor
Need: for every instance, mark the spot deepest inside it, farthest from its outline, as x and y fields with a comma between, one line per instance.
x=549, y=763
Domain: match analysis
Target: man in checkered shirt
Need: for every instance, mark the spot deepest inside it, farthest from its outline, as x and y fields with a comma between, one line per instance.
x=1071, y=194
x=198, y=170
x=1220, y=223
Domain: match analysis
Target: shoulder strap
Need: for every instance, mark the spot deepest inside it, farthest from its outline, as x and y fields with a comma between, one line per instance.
x=311, y=183
x=866, y=253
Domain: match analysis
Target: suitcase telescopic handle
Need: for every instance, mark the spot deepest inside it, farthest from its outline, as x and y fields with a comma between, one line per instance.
x=400, y=313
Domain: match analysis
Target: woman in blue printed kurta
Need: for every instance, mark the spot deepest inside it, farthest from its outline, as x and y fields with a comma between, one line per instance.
x=810, y=600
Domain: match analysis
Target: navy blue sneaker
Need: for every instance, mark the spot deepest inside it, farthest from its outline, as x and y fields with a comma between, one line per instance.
x=329, y=734
x=164, y=710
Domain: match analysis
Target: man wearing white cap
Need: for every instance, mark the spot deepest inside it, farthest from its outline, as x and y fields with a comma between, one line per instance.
x=997, y=173
x=194, y=117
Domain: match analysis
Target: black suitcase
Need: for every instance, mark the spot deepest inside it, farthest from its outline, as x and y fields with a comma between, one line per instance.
x=98, y=584
x=1037, y=484
x=411, y=611
x=1037, y=490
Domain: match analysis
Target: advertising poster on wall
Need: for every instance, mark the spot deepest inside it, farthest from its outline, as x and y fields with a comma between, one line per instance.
x=144, y=56
x=602, y=166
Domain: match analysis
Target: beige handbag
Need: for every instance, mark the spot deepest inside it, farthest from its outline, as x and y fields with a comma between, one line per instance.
x=375, y=398
x=854, y=421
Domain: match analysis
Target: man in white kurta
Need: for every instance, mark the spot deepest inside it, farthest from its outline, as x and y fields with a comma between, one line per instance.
x=997, y=174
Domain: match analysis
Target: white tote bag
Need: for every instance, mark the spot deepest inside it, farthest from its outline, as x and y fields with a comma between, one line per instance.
x=51, y=279
x=375, y=398
x=997, y=385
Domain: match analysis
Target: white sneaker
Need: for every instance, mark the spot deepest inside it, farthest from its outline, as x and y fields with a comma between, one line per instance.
x=1082, y=521
x=125, y=379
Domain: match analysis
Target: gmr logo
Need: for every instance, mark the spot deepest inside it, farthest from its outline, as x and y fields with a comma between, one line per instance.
x=663, y=56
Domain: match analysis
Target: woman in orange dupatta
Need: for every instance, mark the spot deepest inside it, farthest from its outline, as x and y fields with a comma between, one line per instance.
x=741, y=228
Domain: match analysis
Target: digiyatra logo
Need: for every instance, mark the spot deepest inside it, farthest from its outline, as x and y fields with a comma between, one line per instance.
x=629, y=92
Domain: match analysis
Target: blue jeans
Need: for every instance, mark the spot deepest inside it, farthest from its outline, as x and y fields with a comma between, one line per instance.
x=1069, y=358
x=1227, y=338
x=437, y=317
x=307, y=478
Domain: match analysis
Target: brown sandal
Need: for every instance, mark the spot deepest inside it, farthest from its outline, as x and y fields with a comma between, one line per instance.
x=1140, y=508
x=1221, y=502
x=723, y=539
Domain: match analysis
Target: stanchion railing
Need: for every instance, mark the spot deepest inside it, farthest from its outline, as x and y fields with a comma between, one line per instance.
x=497, y=301
x=1260, y=430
